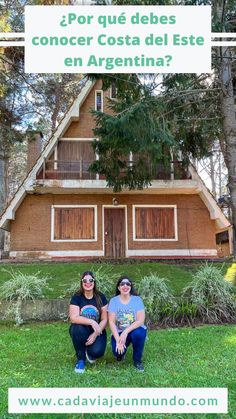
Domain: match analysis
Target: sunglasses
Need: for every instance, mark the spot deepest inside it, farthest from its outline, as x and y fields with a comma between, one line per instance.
x=85, y=280
x=122, y=283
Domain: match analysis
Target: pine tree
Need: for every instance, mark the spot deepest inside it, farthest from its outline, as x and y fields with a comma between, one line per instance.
x=189, y=114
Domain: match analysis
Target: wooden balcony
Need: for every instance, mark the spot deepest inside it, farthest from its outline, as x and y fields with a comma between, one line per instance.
x=79, y=170
x=72, y=170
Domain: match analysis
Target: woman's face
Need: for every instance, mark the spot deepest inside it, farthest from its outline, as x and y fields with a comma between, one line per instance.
x=88, y=283
x=125, y=287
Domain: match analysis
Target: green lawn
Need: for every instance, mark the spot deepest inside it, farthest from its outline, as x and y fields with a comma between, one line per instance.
x=41, y=355
x=63, y=274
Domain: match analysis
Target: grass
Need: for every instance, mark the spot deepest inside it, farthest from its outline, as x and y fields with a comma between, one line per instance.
x=63, y=274
x=41, y=355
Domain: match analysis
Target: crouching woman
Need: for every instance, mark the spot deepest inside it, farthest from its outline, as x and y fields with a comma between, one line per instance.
x=126, y=319
x=88, y=316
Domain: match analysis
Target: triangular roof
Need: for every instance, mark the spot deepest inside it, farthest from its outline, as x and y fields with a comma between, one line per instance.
x=73, y=115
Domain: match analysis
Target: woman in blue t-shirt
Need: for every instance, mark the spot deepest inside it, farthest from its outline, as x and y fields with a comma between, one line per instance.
x=126, y=319
x=88, y=316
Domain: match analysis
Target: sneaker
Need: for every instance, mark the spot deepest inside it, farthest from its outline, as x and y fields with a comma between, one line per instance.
x=139, y=366
x=90, y=359
x=80, y=366
x=120, y=357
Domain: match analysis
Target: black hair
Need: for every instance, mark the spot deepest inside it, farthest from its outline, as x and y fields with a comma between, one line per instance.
x=96, y=293
x=132, y=291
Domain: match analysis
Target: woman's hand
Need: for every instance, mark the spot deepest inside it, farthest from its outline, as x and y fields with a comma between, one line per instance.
x=91, y=339
x=120, y=347
x=123, y=337
x=97, y=329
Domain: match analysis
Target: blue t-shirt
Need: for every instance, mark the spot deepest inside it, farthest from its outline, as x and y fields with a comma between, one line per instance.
x=126, y=314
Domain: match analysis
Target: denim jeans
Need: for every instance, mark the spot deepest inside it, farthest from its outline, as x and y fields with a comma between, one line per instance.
x=137, y=338
x=79, y=335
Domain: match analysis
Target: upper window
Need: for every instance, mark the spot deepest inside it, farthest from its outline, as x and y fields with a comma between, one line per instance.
x=99, y=100
x=155, y=222
x=74, y=223
x=222, y=237
x=113, y=91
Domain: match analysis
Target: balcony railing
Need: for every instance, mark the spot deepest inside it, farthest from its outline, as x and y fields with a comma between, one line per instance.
x=62, y=169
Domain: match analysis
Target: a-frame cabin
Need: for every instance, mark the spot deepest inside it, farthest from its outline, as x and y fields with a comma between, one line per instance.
x=62, y=210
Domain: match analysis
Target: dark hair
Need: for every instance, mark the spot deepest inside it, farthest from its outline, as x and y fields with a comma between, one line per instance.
x=96, y=293
x=132, y=291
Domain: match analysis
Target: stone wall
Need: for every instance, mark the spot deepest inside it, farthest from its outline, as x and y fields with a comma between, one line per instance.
x=43, y=310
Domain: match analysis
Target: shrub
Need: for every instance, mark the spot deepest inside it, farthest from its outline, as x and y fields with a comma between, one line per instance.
x=19, y=288
x=185, y=312
x=213, y=296
x=105, y=279
x=158, y=299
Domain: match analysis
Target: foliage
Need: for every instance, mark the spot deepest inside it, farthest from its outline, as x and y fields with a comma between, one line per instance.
x=197, y=111
x=106, y=279
x=140, y=129
x=208, y=299
x=155, y=119
x=158, y=298
x=213, y=296
x=162, y=306
x=185, y=313
x=19, y=288
x=38, y=100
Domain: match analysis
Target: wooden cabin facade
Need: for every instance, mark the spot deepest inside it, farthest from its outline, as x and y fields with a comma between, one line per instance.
x=64, y=210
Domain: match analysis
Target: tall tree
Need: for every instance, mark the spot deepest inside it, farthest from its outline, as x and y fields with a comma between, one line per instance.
x=225, y=21
x=153, y=127
x=8, y=117
x=26, y=99
x=188, y=114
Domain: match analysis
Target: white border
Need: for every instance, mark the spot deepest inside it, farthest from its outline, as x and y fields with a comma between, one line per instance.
x=103, y=226
x=43, y=254
x=154, y=206
x=12, y=35
x=55, y=157
x=95, y=105
x=76, y=139
x=195, y=400
x=73, y=206
x=172, y=252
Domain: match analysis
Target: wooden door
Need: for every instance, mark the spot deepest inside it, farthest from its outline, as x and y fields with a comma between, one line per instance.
x=114, y=232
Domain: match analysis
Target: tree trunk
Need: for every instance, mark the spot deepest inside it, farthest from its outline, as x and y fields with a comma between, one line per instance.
x=3, y=196
x=56, y=107
x=229, y=129
x=220, y=175
x=228, y=112
x=212, y=174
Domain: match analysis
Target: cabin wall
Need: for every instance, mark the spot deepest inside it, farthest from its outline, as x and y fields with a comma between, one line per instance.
x=31, y=229
x=84, y=127
x=223, y=250
x=74, y=150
